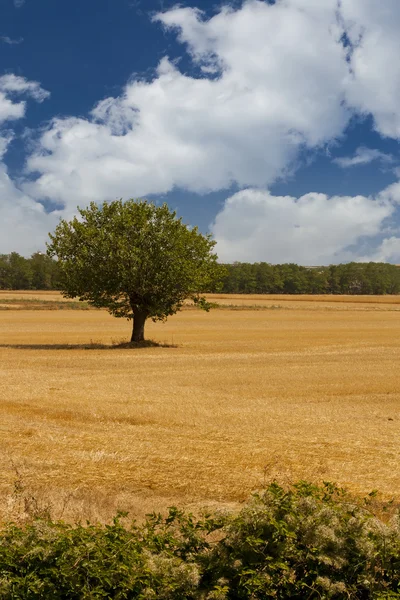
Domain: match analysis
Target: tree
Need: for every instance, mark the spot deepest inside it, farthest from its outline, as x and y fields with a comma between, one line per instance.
x=5, y=272
x=44, y=272
x=21, y=272
x=135, y=259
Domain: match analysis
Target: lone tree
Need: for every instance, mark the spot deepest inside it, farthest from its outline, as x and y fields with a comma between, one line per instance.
x=135, y=259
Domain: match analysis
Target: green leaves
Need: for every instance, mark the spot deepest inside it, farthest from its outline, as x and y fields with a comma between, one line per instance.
x=134, y=257
x=308, y=541
x=351, y=278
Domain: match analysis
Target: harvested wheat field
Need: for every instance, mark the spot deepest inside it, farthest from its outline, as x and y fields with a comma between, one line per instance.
x=266, y=388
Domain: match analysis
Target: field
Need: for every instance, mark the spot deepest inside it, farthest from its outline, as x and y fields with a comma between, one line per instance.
x=261, y=388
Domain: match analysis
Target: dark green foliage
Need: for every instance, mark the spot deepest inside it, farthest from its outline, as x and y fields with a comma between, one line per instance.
x=15, y=272
x=136, y=259
x=45, y=272
x=40, y=272
x=308, y=542
x=351, y=278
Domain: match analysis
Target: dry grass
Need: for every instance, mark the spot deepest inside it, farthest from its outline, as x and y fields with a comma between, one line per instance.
x=32, y=295
x=310, y=302
x=247, y=396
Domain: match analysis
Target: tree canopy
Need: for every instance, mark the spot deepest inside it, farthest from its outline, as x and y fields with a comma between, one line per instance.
x=39, y=272
x=351, y=278
x=136, y=259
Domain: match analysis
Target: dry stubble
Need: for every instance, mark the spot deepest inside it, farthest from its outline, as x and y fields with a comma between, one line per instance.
x=245, y=397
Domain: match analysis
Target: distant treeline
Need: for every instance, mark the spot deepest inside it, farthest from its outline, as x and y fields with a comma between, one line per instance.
x=351, y=278
x=39, y=272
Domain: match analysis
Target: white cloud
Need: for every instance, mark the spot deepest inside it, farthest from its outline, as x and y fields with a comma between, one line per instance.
x=10, y=110
x=11, y=85
x=374, y=86
x=279, y=88
x=5, y=139
x=19, y=3
x=363, y=156
x=387, y=251
x=24, y=224
x=273, y=79
x=314, y=229
x=14, y=84
x=10, y=41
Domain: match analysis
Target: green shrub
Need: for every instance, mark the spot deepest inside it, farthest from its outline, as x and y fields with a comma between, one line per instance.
x=306, y=542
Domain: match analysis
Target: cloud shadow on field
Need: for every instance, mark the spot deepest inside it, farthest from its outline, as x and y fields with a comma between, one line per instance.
x=92, y=346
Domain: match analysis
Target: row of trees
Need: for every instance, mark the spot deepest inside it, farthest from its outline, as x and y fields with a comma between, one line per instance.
x=41, y=272
x=351, y=278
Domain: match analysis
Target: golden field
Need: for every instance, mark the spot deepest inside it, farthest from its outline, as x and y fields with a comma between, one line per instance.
x=273, y=387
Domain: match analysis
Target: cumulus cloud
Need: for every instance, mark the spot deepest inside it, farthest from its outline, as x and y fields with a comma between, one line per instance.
x=278, y=89
x=10, y=110
x=314, y=229
x=363, y=156
x=14, y=84
x=373, y=87
x=272, y=79
x=387, y=251
x=23, y=221
x=11, y=85
x=24, y=224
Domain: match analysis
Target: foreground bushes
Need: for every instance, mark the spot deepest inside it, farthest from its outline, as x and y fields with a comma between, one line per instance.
x=304, y=543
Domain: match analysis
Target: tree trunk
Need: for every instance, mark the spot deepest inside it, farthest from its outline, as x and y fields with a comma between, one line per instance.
x=139, y=319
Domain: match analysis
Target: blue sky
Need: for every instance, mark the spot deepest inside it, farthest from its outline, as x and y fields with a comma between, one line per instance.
x=274, y=125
